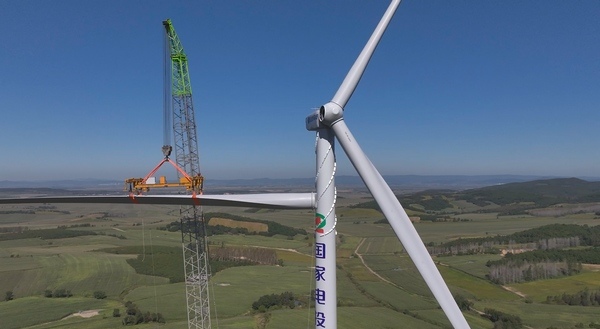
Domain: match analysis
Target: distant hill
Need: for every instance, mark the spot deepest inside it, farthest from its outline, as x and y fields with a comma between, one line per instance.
x=64, y=184
x=505, y=199
x=455, y=182
x=541, y=192
x=42, y=191
x=414, y=182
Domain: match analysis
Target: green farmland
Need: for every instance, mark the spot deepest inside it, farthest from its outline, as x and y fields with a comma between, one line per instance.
x=378, y=284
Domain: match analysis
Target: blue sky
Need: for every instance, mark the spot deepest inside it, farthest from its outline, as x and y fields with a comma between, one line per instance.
x=455, y=87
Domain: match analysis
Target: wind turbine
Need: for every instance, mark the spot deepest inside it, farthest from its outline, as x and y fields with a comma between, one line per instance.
x=328, y=122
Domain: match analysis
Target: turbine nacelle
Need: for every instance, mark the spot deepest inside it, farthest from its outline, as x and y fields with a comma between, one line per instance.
x=324, y=117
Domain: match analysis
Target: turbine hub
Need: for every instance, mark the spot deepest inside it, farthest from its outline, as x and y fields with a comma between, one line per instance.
x=330, y=113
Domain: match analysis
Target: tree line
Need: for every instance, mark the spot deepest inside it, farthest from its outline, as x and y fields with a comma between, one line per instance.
x=461, y=247
x=45, y=234
x=427, y=200
x=525, y=271
x=275, y=301
x=582, y=298
x=541, y=264
x=547, y=252
x=58, y=293
x=503, y=320
x=134, y=316
x=588, y=256
x=13, y=229
x=554, y=236
x=274, y=228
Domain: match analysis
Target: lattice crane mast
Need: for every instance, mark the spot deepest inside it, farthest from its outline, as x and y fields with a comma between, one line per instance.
x=178, y=103
x=178, y=108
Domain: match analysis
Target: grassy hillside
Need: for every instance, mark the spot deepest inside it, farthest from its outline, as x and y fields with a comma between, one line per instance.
x=541, y=192
x=378, y=284
x=506, y=199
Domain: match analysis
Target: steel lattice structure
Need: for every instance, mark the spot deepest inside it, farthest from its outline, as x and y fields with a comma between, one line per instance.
x=178, y=105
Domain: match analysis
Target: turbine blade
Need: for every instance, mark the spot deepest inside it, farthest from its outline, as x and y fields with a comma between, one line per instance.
x=267, y=200
x=401, y=224
x=349, y=84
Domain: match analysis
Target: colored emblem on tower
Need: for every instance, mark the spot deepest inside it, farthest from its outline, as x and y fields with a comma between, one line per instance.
x=320, y=222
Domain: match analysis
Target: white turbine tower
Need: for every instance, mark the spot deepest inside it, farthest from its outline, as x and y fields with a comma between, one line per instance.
x=328, y=122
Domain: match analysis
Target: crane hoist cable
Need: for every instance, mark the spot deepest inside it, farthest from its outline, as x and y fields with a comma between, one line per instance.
x=167, y=111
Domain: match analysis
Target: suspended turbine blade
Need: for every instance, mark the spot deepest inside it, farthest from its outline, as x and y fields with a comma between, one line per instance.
x=347, y=87
x=266, y=200
x=398, y=219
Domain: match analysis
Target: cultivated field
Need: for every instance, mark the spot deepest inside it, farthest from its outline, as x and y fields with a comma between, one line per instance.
x=251, y=227
x=378, y=285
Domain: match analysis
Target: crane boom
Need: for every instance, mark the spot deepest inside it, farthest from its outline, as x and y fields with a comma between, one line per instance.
x=179, y=90
x=178, y=106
